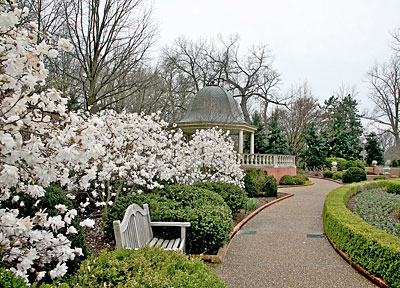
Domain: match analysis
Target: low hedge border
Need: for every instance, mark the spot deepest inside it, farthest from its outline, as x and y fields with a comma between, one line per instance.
x=374, y=250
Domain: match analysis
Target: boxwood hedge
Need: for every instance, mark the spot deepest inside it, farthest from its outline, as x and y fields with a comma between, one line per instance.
x=210, y=217
x=393, y=186
x=375, y=250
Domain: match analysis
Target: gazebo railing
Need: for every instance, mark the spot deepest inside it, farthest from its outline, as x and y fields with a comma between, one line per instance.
x=267, y=161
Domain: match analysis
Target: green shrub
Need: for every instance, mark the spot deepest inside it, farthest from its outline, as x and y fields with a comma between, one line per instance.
x=354, y=163
x=286, y=180
x=398, y=211
x=298, y=180
x=210, y=217
x=304, y=177
x=394, y=163
x=380, y=177
x=375, y=250
x=146, y=267
x=354, y=174
x=338, y=175
x=234, y=196
x=258, y=183
x=393, y=186
x=9, y=280
x=341, y=163
x=251, y=204
x=328, y=174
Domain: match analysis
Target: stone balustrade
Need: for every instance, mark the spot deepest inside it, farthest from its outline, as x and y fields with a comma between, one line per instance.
x=267, y=161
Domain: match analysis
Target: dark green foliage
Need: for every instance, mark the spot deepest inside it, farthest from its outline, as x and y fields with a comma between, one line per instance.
x=344, y=127
x=286, y=180
x=373, y=149
x=299, y=180
x=355, y=163
x=317, y=149
x=276, y=141
x=394, y=163
x=398, y=211
x=328, y=174
x=234, y=196
x=375, y=250
x=380, y=177
x=54, y=195
x=393, y=186
x=337, y=175
x=9, y=280
x=375, y=206
x=146, y=267
x=251, y=204
x=210, y=217
x=354, y=174
x=341, y=163
x=258, y=183
x=260, y=137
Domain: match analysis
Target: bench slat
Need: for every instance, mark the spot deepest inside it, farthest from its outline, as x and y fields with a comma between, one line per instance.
x=165, y=244
x=153, y=242
x=170, y=244
x=176, y=244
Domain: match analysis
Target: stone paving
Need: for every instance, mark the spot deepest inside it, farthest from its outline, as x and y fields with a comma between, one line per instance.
x=283, y=252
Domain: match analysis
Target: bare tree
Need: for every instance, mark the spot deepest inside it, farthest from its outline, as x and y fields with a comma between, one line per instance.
x=110, y=39
x=385, y=93
x=246, y=77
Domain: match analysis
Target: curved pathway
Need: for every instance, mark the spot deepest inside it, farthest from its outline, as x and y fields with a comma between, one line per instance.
x=287, y=249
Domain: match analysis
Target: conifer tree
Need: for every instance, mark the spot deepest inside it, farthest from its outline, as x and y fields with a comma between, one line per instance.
x=317, y=149
x=260, y=137
x=373, y=149
x=276, y=141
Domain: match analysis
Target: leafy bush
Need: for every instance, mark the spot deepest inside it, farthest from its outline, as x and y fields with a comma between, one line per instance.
x=146, y=267
x=375, y=250
x=354, y=163
x=210, y=217
x=299, y=180
x=234, y=196
x=286, y=180
x=393, y=186
x=303, y=177
x=341, y=163
x=251, y=204
x=394, y=163
x=328, y=174
x=9, y=280
x=338, y=175
x=380, y=177
x=354, y=174
x=258, y=183
x=398, y=211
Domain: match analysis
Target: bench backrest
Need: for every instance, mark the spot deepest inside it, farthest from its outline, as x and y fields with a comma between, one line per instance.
x=135, y=228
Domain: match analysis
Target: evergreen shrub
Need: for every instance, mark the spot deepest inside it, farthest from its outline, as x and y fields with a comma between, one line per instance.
x=380, y=177
x=9, y=280
x=393, y=186
x=286, y=180
x=394, y=163
x=354, y=174
x=146, y=267
x=338, y=175
x=299, y=180
x=257, y=182
x=341, y=163
x=328, y=174
x=234, y=196
x=354, y=163
x=209, y=215
x=373, y=249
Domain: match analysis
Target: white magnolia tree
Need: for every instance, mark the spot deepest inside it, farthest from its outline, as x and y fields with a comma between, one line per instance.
x=41, y=144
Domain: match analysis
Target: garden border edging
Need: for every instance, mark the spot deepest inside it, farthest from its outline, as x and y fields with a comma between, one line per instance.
x=222, y=251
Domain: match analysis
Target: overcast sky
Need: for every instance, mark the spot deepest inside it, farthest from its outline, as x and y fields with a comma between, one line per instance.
x=326, y=43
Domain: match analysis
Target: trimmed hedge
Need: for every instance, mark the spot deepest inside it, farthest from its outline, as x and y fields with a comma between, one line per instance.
x=398, y=211
x=354, y=163
x=234, y=196
x=293, y=180
x=327, y=174
x=338, y=175
x=375, y=250
x=146, y=267
x=380, y=177
x=393, y=186
x=286, y=180
x=341, y=163
x=210, y=217
x=354, y=174
x=257, y=182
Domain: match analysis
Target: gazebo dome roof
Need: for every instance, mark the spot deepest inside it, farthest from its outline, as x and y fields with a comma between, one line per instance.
x=213, y=104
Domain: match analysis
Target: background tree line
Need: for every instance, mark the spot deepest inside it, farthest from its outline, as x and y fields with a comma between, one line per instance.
x=112, y=66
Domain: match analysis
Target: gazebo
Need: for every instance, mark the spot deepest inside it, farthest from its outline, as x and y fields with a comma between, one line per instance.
x=215, y=107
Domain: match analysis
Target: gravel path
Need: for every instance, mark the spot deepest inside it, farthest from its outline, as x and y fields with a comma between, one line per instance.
x=286, y=249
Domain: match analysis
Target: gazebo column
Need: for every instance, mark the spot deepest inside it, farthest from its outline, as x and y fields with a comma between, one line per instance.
x=241, y=141
x=252, y=143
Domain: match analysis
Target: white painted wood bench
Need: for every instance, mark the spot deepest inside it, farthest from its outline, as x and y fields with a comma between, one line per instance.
x=135, y=231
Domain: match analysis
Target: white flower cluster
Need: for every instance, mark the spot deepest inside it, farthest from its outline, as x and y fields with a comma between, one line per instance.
x=40, y=143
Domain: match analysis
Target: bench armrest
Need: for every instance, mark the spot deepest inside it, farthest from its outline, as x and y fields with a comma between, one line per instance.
x=170, y=224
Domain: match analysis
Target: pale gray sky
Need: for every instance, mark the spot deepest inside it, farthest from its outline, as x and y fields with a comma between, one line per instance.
x=327, y=43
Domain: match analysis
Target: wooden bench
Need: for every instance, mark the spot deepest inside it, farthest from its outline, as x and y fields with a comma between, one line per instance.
x=135, y=231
